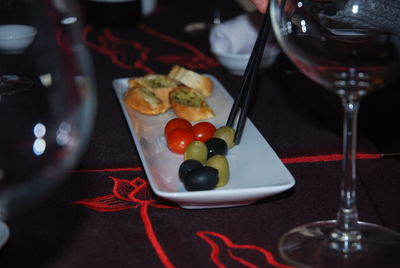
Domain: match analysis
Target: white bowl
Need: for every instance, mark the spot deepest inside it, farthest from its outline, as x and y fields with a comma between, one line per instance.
x=237, y=63
x=15, y=38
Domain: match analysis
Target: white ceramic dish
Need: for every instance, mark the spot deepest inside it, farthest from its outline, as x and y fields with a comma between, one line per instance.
x=237, y=63
x=256, y=171
x=15, y=38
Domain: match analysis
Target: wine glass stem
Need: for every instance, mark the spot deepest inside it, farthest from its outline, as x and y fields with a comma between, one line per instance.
x=347, y=216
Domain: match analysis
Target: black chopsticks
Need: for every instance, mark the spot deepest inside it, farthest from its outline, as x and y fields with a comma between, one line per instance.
x=247, y=85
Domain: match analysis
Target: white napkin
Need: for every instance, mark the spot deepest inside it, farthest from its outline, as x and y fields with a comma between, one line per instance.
x=236, y=36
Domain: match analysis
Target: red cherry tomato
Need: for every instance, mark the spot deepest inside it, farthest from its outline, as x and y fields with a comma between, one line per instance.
x=203, y=131
x=178, y=139
x=177, y=123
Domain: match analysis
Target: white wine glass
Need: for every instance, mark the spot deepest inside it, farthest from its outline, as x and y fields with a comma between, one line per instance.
x=352, y=48
x=47, y=100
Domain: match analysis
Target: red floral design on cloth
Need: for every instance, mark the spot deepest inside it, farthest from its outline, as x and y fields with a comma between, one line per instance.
x=194, y=60
x=132, y=54
x=127, y=195
x=230, y=247
x=132, y=194
x=326, y=158
x=126, y=54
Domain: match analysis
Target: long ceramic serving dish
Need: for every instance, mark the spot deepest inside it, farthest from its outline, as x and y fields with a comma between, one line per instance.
x=256, y=171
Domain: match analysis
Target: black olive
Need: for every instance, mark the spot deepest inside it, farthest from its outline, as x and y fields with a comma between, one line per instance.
x=216, y=146
x=187, y=166
x=201, y=178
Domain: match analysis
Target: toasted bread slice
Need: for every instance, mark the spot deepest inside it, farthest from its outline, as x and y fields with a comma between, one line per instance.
x=190, y=104
x=145, y=101
x=155, y=81
x=192, y=79
x=160, y=84
x=150, y=94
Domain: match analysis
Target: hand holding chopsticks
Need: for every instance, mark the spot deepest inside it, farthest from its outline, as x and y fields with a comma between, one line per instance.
x=247, y=85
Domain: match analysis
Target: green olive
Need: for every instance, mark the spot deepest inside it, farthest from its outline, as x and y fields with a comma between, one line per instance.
x=220, y=163
x=196, y=150
x=227, y=134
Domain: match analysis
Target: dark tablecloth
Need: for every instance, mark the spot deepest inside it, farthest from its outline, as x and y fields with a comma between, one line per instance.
x=77, y=225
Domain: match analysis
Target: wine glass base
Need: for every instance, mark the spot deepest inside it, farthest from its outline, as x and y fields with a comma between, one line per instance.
x=310, y=245
x=4, y=233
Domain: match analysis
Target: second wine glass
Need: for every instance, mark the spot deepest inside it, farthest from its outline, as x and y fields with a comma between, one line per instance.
x=47, y=100
x=351, y=48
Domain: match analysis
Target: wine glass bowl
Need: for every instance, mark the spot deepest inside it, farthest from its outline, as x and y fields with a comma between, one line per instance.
x=47, y=100
x=16, y=38
x=359, y=57
x=351, y=48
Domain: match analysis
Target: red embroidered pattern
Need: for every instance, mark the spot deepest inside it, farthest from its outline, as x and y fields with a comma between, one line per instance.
x=195, y=61
x=130, y=194
x=285, y=160
x=130, y=54
x=215, y=251
x=325, y=158
x=111, y=169
x=120, y=51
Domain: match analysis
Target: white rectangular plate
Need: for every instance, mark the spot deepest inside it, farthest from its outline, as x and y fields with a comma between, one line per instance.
x=256, y=171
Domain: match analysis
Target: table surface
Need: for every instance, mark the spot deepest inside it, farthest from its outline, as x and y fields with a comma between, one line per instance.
x=75, y=226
